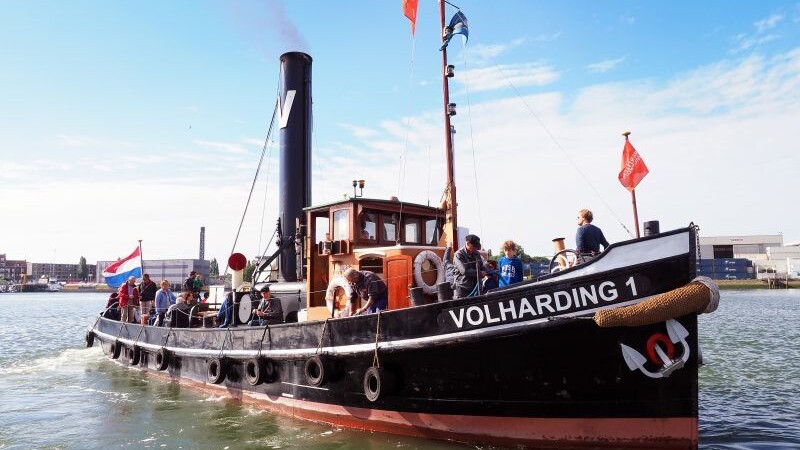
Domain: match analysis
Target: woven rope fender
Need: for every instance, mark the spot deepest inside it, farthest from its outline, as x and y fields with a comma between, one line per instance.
x=701, y=295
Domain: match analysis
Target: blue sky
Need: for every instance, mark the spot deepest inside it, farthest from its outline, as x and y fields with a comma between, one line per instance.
x=125, y=121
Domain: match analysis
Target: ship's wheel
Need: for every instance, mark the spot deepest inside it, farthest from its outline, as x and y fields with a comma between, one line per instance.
x=565, y=259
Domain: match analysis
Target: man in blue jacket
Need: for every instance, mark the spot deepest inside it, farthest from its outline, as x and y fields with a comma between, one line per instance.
x=589, y=237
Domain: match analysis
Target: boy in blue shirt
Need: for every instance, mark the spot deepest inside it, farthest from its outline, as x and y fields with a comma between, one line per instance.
x=510, y=265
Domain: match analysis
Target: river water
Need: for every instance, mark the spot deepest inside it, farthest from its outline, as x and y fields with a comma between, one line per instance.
x=56, y=394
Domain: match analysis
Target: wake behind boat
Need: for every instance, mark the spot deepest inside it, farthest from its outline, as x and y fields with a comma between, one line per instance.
x=603, y=353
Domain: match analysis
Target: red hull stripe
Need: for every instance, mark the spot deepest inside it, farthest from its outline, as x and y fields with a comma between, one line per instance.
x=673, y=433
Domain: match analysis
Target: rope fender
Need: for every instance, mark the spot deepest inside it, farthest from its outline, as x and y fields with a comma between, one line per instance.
x=701, y=295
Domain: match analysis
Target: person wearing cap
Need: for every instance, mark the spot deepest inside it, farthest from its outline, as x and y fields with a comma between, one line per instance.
x=370, y=288
x=469, y=267
x=269, y=311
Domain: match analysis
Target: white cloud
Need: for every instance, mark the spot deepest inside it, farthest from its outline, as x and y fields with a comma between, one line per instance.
x=605, y=65
x=501, y=76
x=482, y=54
x=627, y=19
x=704, y=134
x=750, y=40
x=768, y=23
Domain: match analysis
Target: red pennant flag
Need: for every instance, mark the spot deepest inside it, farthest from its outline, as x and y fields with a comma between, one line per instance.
x=410, y=11
x=633, y=167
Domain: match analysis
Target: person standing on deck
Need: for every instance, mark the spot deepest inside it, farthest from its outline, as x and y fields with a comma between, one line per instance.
x=589, y=237
x=128, y=300
x=370, y=288
x=510, y=265
x=188, y=283
x=148, y=289
x=164, y=298
x=469, y=267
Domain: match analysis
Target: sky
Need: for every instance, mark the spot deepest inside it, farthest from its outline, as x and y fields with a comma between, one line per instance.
x=122, y=121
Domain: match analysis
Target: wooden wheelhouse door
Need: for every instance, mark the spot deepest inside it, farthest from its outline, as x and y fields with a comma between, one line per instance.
x=398, y=277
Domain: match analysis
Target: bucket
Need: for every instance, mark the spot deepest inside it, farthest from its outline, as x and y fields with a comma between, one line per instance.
x=444, y=291
x=417, y=296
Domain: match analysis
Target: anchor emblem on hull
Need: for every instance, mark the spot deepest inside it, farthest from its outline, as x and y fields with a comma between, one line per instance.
x=677, y=333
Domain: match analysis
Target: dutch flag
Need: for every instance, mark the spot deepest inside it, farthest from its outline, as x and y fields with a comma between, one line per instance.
x=130, y=266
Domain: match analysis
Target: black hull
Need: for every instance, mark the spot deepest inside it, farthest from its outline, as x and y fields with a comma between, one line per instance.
x=490, y=369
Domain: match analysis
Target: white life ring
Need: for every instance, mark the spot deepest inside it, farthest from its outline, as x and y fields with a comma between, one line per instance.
x=341, y=282
x=427, y=255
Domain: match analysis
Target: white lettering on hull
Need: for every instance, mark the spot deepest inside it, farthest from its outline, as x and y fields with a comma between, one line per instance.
x=544, y=304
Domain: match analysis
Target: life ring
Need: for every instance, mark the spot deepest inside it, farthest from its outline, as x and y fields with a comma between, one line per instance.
x=162, y=359
x=216, y=370
x=378, y=382
x=340, y=282
x=427, y=255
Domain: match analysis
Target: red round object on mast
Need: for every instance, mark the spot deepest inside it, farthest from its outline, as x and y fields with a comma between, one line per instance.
x=237, y=261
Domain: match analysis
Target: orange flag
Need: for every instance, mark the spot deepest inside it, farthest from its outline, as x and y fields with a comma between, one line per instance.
x=410, y=11
x=633, y=167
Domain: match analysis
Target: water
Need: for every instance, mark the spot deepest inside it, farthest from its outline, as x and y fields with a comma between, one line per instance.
x=58, y=395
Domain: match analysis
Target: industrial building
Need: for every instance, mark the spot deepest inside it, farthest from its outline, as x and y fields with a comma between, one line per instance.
x=172, y=270
x=756, y=256
x=12, y=269
x=60, y=272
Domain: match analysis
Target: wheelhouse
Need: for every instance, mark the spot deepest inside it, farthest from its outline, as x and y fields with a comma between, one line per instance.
x=382, y=236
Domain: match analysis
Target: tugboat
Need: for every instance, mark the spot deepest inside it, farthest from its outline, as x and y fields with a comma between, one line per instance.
x=599, y=354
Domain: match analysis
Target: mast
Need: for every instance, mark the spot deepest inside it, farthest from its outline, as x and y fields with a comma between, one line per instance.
x=451, y=218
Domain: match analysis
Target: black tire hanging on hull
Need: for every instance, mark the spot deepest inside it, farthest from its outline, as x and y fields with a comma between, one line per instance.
x=89, y=339
x=259, y=370
x=317, y=370
x=216, y=370
x=116, y=349
x=378, y=382
x=134, y=354
x=162, y=359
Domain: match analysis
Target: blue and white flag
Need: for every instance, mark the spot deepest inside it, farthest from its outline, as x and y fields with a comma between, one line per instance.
x=130, y=266
x=458, y=25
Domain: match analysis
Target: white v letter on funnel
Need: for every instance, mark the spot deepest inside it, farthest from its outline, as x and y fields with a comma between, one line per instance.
x=287, y=107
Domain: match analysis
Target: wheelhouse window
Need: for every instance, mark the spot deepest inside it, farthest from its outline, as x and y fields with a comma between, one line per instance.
x=389, y=228
x=432, y=231
x=368, y=223
x=321, y=228
x=372, y=263
x=412, y=230
x=341, y=225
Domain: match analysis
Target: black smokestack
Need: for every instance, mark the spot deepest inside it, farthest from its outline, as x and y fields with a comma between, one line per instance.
x=295, y=167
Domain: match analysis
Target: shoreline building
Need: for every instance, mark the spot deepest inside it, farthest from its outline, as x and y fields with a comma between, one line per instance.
x=172, y=270
x=60, y=272
x=12, y=269
x=757, y=256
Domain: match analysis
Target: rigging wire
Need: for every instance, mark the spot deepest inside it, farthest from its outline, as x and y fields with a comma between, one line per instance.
x=402, y=175
x=563, y=150
x=472, y=141
x=255, y=178
x=266, y=190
